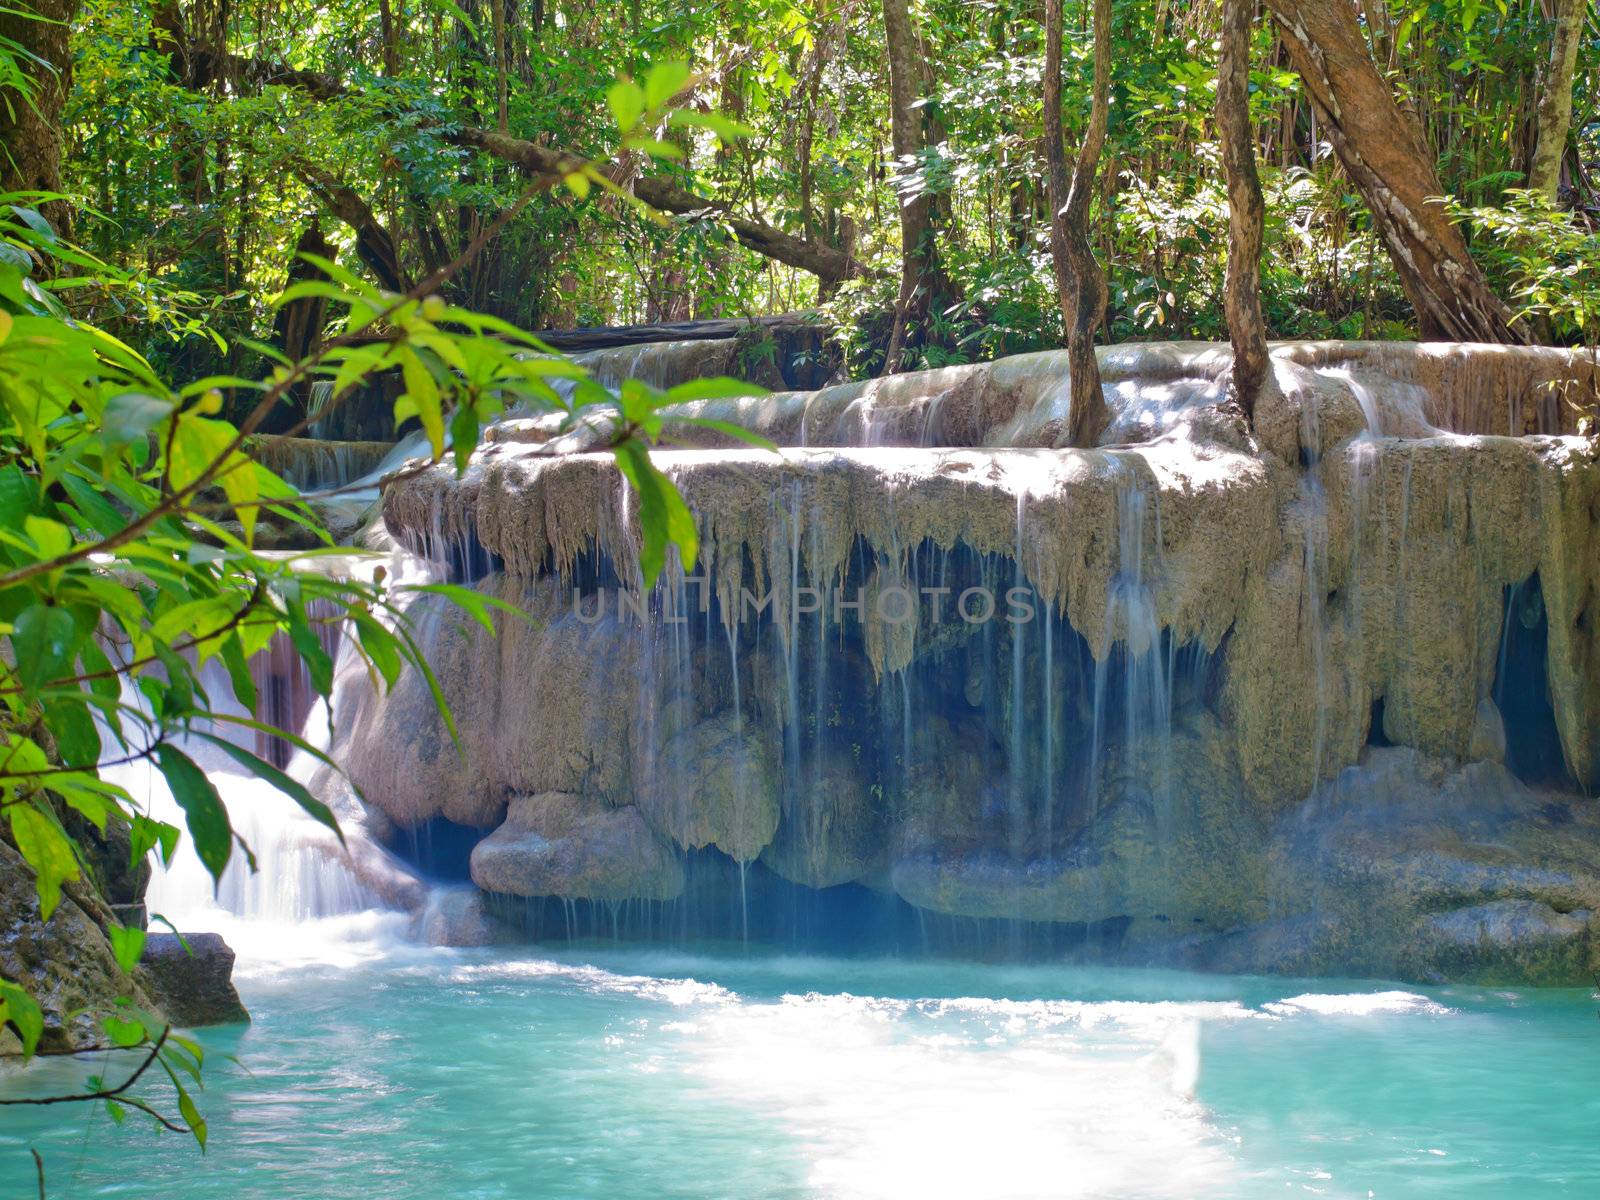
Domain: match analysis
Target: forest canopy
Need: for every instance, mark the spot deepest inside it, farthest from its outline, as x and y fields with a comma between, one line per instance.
x=207, y=144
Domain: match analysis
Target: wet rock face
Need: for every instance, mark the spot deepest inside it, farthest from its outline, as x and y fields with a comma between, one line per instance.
x=557, y=844
x=833, y=828
x=549, y=703
x=66, y=963
x=716, y=784
x=1172, y=840
x=1411, y=867
x=1223, y=622
x=191, y=979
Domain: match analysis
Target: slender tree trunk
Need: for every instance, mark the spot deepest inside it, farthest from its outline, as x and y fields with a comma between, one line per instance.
x=1555, y=98
x=1079, y=280
x=389, y=27
x=921, y=279
x=1383, y=152
x=1247, y=213
x=297, y=328
x=498, y=17
x=30, y=125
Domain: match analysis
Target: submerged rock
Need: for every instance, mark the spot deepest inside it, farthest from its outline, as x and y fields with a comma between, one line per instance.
x=191, y=978
x=1410, y=867
x=458, y=917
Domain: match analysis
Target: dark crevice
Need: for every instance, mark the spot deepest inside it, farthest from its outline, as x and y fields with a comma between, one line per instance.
x=440, y=849
x=1375, y=734
x=1522, y=690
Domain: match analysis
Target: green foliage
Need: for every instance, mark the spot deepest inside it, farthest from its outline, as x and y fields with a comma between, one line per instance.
x=1546, y=261
x=1543, y=258
x=127, y=556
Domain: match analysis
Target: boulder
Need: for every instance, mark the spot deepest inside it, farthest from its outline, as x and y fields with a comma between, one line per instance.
x=1419, y=869
x=558, y=844
x=192, y=983
x=1488, y=734
x=546, y=703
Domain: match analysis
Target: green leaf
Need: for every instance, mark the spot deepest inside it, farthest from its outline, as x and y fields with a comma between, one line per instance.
x=191, y=1115
x=654, y=147
x=726, y=130
x=51, y=537
x=626, y=99
x=146, y=834
x=34, y=220
x=207, y=818
x=127, y=943
x=196, y=445
x=475, y=603
x=663, y=516
x=123, y=1032
x=463, y=436
x=422, y=390
x=719, y=388
x=48, y=850
x=380, y=645
x=18, y=496
x=309, y=646
x=244, y=684
x=101, y=516
x=77, y=737
x=23, y=1013
x=286, y=784
x=664, y=81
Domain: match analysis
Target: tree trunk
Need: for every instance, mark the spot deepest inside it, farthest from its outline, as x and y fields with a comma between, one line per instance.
x=1385, y=156
x=921, y=278
x=389, y=29
x=1080, y=283
x=297, y=328
x=498, y=17
x=1247, y=212
x=1555, y=98
x=375, y=245
x=30, y=125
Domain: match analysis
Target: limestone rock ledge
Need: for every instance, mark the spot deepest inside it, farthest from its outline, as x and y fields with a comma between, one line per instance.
x=1239, y=632
x=1410, y=867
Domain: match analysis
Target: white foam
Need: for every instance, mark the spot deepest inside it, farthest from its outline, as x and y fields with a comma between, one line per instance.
x=1355, y=1004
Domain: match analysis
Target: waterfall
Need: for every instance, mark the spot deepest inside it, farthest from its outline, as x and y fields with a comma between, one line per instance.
x=287, y=869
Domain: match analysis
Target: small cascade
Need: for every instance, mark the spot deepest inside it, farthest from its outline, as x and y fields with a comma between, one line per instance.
x=285, y=694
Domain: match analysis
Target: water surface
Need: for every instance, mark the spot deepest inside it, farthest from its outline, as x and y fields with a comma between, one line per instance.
x=375, y=1069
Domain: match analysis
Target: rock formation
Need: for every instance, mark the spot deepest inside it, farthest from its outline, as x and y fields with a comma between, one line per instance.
x=1159, y=685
